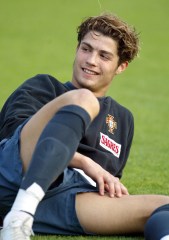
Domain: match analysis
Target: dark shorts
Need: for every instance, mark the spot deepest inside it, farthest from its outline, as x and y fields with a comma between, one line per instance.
x=56, y=213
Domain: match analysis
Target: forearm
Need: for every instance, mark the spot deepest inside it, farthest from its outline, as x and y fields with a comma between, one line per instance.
x=104, y=180
x=79, y=161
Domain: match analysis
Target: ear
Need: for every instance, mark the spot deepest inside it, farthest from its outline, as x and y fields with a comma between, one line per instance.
x=122, y=67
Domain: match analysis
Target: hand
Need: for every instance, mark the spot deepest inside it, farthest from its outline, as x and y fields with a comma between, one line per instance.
x=105, y=181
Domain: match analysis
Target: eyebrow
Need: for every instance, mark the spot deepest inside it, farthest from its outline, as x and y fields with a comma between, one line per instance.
x=102, y=51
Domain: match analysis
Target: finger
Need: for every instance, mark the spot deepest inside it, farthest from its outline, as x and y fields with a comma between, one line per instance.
x=124, y=190
x=118, y=189
x=101, y=186
x=111, y=181
x=111, y=188
x=106, y=187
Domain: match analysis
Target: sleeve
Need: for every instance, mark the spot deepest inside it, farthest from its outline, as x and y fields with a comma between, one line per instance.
x=24, y=102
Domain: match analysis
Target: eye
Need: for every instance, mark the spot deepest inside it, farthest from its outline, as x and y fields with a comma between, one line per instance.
x=104, y=57
x=85, y=49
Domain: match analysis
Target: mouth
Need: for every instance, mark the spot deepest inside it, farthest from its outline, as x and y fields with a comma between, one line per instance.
x=91, y=72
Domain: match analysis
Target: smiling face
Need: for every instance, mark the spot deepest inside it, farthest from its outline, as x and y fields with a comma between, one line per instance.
x=96, y=63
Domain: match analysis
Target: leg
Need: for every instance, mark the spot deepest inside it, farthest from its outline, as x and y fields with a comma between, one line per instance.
x=104, y=215
x=33, y=129
x=54, y=149
x=69, y=114
x=50, y=132
x=157, y=226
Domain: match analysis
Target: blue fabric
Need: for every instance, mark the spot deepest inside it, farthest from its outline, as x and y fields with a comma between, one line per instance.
x=56, y=146
x=157, y=225
x=56, y=212
x=11, y=172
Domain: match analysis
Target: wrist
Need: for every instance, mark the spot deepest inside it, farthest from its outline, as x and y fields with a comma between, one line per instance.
x=79, y=161
x=85, y=163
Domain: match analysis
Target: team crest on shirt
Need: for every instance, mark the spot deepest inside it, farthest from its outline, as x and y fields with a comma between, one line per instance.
x=111, y=123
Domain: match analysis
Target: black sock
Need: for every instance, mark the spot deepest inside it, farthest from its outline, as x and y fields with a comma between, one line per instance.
x=56, y=146
x=157, y=225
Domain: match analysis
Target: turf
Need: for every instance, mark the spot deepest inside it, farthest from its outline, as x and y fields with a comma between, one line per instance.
x=40, y=37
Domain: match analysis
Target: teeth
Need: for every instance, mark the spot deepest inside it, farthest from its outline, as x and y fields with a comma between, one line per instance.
x=89, y=72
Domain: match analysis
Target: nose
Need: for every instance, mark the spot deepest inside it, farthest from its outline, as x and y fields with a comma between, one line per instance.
x=92, y=59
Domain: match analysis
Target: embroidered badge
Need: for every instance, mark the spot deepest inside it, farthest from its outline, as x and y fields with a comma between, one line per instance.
x=112, y=124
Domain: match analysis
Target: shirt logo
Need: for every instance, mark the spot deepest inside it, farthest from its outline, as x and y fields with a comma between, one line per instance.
x=112, y=124
x=110, y=145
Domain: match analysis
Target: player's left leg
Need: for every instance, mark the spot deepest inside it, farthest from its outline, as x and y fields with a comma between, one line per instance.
x=157, y=226
x=128, y=214
x=54, y=150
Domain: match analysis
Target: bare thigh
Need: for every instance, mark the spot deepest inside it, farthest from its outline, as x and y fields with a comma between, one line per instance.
x=105, y=215
x=34, y=127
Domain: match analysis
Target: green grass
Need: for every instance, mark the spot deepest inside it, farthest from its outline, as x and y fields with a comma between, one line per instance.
x=39, y=36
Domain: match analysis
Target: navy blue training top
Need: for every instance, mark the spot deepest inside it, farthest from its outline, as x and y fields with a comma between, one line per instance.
x=107, y=140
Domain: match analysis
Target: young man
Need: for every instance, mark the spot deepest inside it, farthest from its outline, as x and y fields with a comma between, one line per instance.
x=50, y=130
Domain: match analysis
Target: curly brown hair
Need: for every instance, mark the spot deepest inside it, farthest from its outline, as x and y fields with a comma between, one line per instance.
x=112, y=26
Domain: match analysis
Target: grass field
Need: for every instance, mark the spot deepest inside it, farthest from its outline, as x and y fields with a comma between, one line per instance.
x=39, y=36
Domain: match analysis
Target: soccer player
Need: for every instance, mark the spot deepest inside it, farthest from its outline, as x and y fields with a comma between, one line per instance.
x=64, y=146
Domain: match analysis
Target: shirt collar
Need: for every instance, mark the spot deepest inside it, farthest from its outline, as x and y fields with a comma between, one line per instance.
x=70, y=86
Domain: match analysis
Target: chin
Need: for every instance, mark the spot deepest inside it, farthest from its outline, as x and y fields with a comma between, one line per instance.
x=86, y=85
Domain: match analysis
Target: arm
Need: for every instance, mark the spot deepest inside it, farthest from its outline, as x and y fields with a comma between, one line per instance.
x=103, y=178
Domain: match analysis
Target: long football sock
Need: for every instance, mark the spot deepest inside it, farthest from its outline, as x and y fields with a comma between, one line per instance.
x=157, y=226
x=54, y=150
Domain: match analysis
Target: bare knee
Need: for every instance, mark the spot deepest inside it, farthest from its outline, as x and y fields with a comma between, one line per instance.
x=81, y=97
x=32, y=130
x=86, y=99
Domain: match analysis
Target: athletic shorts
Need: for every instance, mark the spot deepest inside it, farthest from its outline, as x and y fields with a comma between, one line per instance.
x=56, y=213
